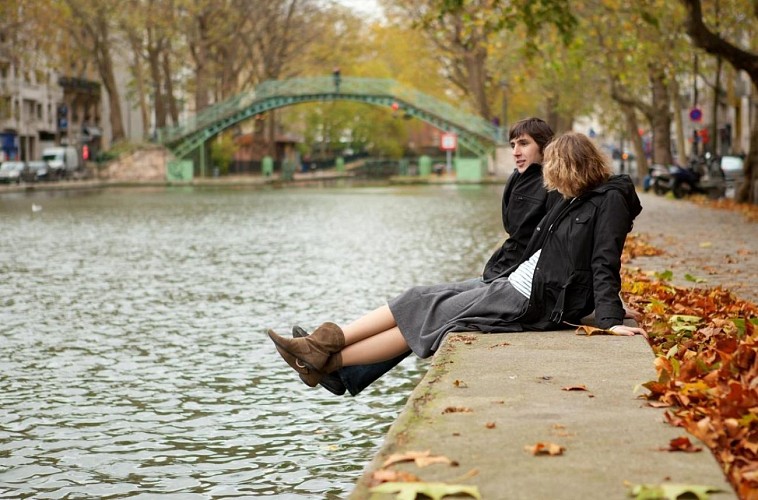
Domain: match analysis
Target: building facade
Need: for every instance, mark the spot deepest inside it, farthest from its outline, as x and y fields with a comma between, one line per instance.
x=28, y=109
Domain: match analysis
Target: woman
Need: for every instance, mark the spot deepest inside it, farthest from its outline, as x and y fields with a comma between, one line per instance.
x=570, y=266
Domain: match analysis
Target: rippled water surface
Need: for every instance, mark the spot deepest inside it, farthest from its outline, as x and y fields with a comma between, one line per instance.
x=133, y=354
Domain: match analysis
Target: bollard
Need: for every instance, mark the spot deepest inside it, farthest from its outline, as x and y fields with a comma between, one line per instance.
x=267, y=166
x=424, y=166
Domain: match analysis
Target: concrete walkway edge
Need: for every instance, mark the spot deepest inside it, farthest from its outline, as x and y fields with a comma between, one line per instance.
x=487, y=397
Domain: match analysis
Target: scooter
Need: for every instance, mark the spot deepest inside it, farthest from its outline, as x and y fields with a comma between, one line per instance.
x=701, y=176
x=658, y=179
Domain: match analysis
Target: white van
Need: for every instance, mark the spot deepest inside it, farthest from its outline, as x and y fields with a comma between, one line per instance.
x=64, y=161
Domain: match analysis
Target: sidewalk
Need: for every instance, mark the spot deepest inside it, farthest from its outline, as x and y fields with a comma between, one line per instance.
x=719, y=246
x=508, y=390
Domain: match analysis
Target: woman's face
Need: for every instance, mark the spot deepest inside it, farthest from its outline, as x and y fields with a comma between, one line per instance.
x=525, y=152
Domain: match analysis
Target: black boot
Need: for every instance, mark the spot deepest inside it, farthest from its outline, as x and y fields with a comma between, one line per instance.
x=330, y=381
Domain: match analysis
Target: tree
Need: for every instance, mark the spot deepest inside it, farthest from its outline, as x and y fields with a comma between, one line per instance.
x=468, y=33
x=92, y=25
x=742, y=59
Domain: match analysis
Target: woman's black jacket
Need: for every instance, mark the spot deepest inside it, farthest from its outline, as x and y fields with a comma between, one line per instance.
x=525, y=203
x=579, y=267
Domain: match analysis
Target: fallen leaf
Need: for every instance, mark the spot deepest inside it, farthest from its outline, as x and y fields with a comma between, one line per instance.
x=435, y=491
x=546, y=448
x=421, y=458
x=501, y=344
x=670, y=491
x=705, y=244
x=666, y=275
x=460, y=384
x=575, y=388
x=457, y=409
x=466, y=339
x=490, y=425
x=385, y=476
x=682, y=443
x=694, y=279
x=591, y=330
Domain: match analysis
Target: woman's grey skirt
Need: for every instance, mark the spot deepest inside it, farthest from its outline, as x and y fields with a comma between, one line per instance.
x=425, y=314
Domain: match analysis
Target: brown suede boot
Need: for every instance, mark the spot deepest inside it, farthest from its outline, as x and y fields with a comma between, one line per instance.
x=309, y=355
x=313, y=378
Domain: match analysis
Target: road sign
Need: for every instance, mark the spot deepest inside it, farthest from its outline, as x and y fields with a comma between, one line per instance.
x=696, y=114
x=448, y=141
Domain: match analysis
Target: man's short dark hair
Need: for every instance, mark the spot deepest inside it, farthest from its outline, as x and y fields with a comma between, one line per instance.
x=536, y=128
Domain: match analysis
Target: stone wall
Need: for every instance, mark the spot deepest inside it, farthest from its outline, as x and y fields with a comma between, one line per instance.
x=147, y=164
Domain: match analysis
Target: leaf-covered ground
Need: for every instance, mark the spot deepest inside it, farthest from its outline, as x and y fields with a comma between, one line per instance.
x=706, y=346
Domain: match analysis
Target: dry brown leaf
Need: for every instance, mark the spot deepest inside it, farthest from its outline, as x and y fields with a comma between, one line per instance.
x=490, y=425
x=385, y=476
x=460, y=384
x=421, y=458
x=682, y=443
x=500, y=344
x=457, y=409
x=575, y=388
x=545, y=448
x=591, y=330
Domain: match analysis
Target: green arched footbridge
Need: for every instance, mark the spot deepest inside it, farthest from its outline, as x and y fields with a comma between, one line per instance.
x=474, y=133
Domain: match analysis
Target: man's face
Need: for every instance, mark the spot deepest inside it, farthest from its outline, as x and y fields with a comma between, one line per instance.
x=525, y=152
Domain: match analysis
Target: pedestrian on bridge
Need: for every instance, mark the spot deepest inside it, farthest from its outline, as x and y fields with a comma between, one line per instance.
x=570, y=266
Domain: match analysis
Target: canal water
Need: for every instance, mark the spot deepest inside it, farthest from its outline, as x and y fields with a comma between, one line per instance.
x=133, y=355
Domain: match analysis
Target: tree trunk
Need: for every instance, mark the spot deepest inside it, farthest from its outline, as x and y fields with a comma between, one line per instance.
x=475, y=61
x=681, y=145
x=153, y=55
x=173, y=108
x=139, y=78
x=660, y=118
x=746, y=192
x=105, y=68
x=632, y=126
x=715, y=109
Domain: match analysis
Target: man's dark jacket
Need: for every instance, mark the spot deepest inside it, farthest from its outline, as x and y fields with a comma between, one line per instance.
x=579, y=267
x=525, y=203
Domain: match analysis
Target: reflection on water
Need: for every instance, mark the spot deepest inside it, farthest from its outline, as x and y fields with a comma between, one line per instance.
x=133, y=354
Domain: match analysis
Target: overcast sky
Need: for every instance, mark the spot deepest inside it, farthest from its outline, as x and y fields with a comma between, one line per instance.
x=367, y=7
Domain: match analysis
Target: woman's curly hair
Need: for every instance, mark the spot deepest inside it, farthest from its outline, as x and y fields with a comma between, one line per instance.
x=573, y=165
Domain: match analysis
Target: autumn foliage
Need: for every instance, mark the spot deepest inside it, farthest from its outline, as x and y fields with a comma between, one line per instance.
x=706, y=346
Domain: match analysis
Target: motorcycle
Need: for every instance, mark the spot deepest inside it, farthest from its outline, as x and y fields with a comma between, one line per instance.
x=702, y=176
x=658, y=179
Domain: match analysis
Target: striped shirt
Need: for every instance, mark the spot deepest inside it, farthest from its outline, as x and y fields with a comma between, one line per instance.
x=521, y=278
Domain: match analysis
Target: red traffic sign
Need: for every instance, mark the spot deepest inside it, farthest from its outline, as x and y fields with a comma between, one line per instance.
x=696, y=114
x=448, y=141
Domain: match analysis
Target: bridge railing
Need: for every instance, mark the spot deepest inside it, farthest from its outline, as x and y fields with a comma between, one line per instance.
x=326, y=86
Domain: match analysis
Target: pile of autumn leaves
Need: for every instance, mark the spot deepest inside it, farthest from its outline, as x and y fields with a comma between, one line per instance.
x=706, y=345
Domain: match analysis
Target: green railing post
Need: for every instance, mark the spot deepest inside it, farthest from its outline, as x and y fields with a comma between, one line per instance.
x=202, y=160
x=267, y=166
x=424, y=166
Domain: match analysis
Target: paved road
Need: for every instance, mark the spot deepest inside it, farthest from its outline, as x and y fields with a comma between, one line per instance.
x=720, y=246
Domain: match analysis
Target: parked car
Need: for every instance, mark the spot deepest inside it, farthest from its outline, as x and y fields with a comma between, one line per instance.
x=36, y=171
x=733, y=168
x=10, y=171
